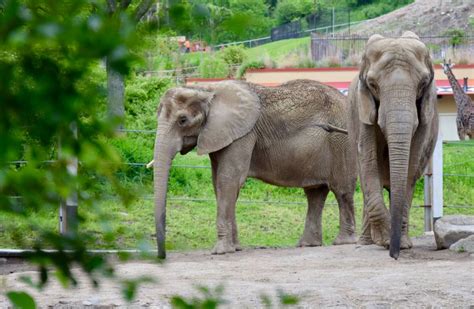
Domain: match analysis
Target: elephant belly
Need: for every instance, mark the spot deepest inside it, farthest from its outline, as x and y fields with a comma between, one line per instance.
x=292, y=163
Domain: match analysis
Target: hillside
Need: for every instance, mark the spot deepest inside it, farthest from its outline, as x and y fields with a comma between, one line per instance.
x=425, y=17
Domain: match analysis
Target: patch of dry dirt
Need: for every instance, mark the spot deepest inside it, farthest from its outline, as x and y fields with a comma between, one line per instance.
x=424, y=17
x=334, y=276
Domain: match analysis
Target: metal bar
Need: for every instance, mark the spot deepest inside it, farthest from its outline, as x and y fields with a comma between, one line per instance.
x=428, y=189
x=437, y=189
x=136, y=131
x=68, y=208
x=20, y=253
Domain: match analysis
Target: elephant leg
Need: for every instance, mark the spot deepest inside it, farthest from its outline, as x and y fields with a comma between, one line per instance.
x=347, y=233
x=376, y=219
x=313, y=235
x=230, y=169
x=365, y=236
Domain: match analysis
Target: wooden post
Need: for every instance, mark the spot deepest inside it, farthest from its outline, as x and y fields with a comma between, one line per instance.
x=68, y=207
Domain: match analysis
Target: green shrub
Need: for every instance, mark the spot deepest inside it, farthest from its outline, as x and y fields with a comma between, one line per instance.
x=214, y=68
x=289, y=10
x=233, y=55
x=377, y=10
x=255, y=64
x=142, y=97
x=457, y=36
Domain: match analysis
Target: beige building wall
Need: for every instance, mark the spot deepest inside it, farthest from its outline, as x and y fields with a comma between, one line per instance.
x=446, y=105
x=278, y=76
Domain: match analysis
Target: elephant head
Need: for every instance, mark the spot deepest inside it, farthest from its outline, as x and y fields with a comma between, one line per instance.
x=209, y=117
x=396, y=92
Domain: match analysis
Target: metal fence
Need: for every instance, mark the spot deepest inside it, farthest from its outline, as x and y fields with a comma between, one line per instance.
x=330, y=213
x=323, y=21
x=347, y=49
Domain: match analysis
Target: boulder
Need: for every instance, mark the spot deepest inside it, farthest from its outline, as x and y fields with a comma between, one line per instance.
x=450, y=229
x=464, y=245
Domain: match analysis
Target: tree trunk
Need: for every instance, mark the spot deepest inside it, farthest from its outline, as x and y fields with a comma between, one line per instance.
x=115, y=95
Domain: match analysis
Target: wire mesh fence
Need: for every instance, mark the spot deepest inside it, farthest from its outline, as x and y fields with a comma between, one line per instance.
x=461, y=166
x=261, y=208
x=347, y=49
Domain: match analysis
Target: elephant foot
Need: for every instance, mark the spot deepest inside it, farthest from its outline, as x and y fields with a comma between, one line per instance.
x=223, y=247
x=345, y=239
x=365, y=241
x=237, y=246
x=405, y=242
x=380, y=235
x=309, y=242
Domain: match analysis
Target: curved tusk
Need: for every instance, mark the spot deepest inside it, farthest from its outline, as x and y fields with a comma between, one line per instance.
x=150, y=164
x=330, y=128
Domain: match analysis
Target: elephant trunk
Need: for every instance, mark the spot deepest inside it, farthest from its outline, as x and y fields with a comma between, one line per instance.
x=399, y=124
x=164, y=153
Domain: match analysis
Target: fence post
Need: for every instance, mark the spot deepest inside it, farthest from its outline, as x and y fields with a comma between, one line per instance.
x=433, y=187
x=438, y=178
x=428, y=189
x=68, y=208
x=333, y=21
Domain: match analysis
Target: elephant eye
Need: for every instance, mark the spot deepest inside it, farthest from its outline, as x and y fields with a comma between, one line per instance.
x=372, y=85
x=182, y=120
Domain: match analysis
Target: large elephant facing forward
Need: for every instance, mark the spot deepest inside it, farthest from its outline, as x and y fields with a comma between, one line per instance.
x=393, y=126
x=288, y=136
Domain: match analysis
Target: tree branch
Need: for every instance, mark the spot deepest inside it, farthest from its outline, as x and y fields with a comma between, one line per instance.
x=111, y=6
x=124, y=4
x=142, y=9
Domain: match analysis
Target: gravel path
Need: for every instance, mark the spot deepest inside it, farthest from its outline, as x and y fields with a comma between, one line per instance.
x=334, y=276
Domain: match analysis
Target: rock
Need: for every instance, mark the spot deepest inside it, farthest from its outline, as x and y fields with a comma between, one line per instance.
x=450, y=229
x=87, y=303
x=464, y=245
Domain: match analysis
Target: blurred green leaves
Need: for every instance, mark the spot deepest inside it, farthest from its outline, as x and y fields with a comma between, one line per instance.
x=21, y=300
x=49, y=52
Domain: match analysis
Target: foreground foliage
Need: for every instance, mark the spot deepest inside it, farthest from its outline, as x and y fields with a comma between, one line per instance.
x=48, y=52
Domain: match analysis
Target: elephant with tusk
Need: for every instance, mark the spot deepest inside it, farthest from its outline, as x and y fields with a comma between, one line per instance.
x=293, y=136
x=393, y=127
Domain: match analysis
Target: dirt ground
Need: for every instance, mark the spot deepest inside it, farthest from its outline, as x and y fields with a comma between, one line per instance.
x=334, y=276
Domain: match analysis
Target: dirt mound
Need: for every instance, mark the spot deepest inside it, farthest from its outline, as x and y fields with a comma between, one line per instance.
x=424, y=17
x=334, y=276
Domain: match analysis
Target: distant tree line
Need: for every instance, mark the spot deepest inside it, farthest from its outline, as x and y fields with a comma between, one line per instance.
x=220, y=21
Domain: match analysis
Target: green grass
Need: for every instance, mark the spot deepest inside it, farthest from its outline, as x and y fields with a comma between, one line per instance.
x=191, y=225
x=279, y=49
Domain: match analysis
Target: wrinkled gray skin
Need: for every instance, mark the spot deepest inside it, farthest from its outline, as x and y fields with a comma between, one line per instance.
x=278, y=135
x=393, y=126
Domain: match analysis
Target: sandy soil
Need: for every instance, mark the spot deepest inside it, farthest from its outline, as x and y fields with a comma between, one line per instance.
x=335, y=276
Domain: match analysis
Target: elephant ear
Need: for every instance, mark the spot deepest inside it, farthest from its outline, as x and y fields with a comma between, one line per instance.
x=429, y=97
x=365, y=100
x=233, y=112
x=367, y=108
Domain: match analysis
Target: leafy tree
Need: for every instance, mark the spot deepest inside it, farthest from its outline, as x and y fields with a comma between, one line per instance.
x=289, y=10
x=48, y=50
x=115, y=80
x=457, y=37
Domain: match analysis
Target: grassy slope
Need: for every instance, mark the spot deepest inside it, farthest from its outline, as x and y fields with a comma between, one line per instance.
x=192, y=224
x=279, y=49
